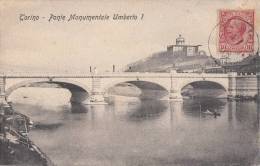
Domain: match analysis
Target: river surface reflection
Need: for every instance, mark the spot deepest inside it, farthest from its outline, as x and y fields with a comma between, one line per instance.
x=146, y=133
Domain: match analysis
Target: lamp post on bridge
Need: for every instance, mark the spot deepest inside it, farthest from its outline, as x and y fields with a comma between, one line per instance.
x=114, y=68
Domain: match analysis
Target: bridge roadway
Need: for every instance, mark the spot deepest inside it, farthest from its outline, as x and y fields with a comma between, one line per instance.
x=91, y=88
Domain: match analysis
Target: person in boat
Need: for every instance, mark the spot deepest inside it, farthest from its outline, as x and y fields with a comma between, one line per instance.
x=215, y=113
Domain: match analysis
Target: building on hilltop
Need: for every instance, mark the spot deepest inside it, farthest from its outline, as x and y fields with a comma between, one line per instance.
x=180, y=48
x=179, y=56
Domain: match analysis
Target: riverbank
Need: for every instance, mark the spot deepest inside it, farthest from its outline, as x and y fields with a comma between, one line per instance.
x=15, y=146
x=243, y=98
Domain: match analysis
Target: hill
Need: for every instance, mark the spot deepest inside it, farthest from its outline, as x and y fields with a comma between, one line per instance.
x=167, y=60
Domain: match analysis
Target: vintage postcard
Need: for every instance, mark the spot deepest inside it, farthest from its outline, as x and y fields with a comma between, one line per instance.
x=129, y=83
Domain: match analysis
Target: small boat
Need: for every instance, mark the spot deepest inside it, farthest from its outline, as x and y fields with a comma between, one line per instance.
x=208, y=112
x=216, y=113
x=30, y=122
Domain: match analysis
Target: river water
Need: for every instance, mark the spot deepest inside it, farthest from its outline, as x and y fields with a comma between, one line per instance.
x=133, y=132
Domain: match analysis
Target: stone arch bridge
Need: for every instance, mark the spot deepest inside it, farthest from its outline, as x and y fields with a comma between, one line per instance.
x=91, y=88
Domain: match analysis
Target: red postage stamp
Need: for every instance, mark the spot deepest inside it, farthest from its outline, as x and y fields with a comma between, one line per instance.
x=236, y=31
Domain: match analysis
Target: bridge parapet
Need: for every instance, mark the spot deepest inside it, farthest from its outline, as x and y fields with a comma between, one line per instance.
x=247, y=74
x=81, y=73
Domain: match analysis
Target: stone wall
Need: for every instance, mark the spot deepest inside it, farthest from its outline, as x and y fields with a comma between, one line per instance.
x=246, y=85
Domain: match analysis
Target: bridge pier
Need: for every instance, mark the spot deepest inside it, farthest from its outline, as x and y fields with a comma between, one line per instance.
x=175, y=91
x=96, y=98
x=175, y=95
x=97, y=95
x=78, y=96
x=232, y=85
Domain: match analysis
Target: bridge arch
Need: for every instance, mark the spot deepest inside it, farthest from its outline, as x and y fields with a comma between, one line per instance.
x=210, y=84
x=146, y=87
x=79, y=92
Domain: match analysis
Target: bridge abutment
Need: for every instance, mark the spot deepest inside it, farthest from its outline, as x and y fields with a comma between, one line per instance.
x=3, y=100
x=2, y=91
x=243, y=86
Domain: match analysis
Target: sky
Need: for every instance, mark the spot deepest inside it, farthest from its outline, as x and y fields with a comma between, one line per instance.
x=77, y=45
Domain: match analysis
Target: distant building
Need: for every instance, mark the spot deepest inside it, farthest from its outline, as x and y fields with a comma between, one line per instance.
x=224, y=59
x=180, y=48
x=231, y=58
x=250, y=64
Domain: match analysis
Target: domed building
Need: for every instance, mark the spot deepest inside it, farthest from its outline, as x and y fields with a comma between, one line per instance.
x=180, y=40
x=180, y=48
